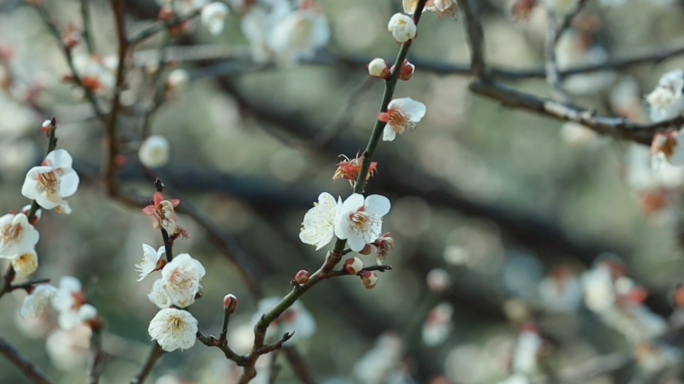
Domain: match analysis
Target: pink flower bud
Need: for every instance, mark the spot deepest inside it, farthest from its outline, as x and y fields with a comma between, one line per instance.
x=369, y=279
x=406, y=70
x=367, y=249
x=378, y=68
x=230, y=302
x=302, y=277
x=353, y=266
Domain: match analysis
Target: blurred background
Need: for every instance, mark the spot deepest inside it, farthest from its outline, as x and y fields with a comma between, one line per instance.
x=501, y=219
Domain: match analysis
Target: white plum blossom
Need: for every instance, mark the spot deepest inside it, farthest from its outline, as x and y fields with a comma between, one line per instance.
x=666, y=100
x=359, y=220
x=25, y=264
x=17, y=236
x=299, y=34
x=599, y=291
x=178, y=78
x=527, y=349
x=37, y=303
x=437, y=326
x=667, y=147
x=97, y=74
x=68, y=349
x=318, y=227
x=154, y=151
x=572, y=50
x=181, y=279
x=560, y=291
x=295, y=319
x=257, y=23
x=402, y=114
x=68, y=301
x=213, y=17
x=87, y=313
x=402, y=27
x=150, y=261
x=158, y=295
x=442, y=7
x=173, y=329
x=52, y=181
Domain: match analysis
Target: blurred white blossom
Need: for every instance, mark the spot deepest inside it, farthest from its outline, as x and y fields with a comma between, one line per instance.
x=154, y=151
x=38, y=301
x=666, y=99
x=213, y=16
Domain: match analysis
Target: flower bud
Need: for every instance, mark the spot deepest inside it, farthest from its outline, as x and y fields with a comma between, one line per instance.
x=302, y=277
x=383, y=245
x=214, y=16
x=402, y=27
x=367, y=249
x=378, y=68
x=230, y=302
x=406, y=70
x=72, y=37
x=353, y=266
x=178, y=78
x=369, y=279
x=154, y=151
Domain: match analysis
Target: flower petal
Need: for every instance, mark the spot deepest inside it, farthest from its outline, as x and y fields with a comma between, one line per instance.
x=377, y=205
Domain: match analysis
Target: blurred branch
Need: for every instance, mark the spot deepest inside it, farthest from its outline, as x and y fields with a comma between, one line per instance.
x=482, y=85
x=85, y=15
x=567, y=20
x=298, y=365
x=29, y=370
x=155, y=354
x=552, y=76
x=594, y=367
x=97, y=355
x=160, y=26
x=54, y=31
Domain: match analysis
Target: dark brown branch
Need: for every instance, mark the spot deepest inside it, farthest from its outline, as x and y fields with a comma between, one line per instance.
x=110, y=166
x=97, y=355
x=28, y=284
x=567, y=20
x=160, y=26
x=475, y=36
x=379, y=268
x=85, y=15
x=298, y=365
x=155, y=354
x=613, y=126
x=54, y=31
x=275, y=346
x=222, y=344
x=35, y=375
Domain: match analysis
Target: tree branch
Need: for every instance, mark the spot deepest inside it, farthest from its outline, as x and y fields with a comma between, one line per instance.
x=155, y=354
x=29, y=370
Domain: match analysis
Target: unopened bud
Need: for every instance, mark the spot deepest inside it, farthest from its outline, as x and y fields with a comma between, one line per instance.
x=72, y=37
x=378, y=68
x=367, y=249
x=46, y=127
x=88, y=314
x=353, y=266
x=369, y=279
x=302, y=277
x=230, y=302
x=406, y=71
x=178, y=78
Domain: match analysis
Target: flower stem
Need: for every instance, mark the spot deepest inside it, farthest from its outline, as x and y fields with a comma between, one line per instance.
x=335, y=255
x=155, y=354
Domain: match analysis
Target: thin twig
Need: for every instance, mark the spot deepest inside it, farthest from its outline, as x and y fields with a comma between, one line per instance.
x=567, y=20
x=335, y=255
x=160, y=26
x=54, y=31
x=85, y=14
x=97, y=355
x=552, y=76
x=476, y=36
x=110, y=166
x=35, y=375
x=298, y=365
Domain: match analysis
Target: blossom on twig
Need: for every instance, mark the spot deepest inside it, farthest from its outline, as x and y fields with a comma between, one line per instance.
x=359, y=220
x=402, y=114
x=318, y=225
x=173, y=329
x=17, y=236
x=38, y=301
x=52, y=181
x=151, y=261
